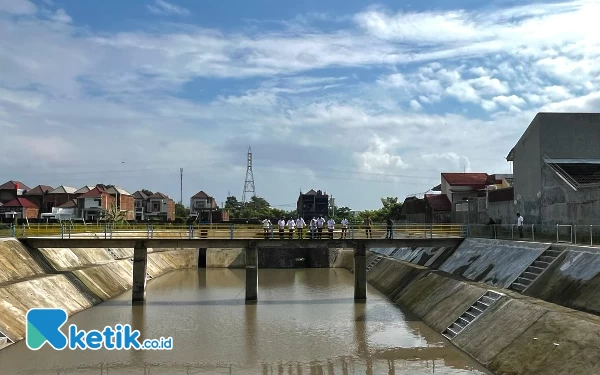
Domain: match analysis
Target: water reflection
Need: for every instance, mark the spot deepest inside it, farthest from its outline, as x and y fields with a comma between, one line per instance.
x=305, y=322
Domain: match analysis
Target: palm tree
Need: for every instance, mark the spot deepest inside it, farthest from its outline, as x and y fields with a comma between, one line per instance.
x=113, y=215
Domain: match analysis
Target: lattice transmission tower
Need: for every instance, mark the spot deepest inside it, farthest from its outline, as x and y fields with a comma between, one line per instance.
x=249, y=183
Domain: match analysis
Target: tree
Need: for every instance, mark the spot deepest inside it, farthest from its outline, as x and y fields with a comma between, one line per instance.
x=233, y=206
x=181, y=211
x=113, y=215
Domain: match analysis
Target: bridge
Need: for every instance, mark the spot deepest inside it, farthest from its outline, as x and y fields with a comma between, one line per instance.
x=251, y=246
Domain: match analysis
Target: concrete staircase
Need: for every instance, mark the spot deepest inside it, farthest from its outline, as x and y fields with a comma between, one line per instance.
x=479, y=307
x=534, y=270
x=4, y=341
x=374, y=262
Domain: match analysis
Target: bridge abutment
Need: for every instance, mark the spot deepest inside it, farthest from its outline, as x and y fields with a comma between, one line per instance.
x=360, y=272
x=140, y=269
x=251, y=272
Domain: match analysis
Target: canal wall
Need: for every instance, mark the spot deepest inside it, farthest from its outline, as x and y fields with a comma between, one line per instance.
x=516, y=335
x=274, y=258
x=72, y=279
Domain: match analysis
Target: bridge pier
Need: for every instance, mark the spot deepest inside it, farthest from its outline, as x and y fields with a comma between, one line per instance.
x=251, y=272
x=140, y=267
x=360, y=272
x=202, y=257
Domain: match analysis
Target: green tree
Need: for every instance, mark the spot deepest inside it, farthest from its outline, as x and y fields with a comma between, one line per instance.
x=233, y=206
x=113, y=215
x=181, y=211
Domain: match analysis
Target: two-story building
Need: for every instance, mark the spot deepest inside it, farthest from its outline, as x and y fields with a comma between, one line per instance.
x=59, y=196
x=204, y=209
x=312, y=204
x=160, y=206
x=92, y=204
x=141, y=202
x=38, y=195
x=20, y=208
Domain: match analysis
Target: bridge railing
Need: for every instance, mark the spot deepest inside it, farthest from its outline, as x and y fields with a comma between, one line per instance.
x=231, y=231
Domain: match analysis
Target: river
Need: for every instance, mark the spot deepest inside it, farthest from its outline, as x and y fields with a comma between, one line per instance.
x=305, y=322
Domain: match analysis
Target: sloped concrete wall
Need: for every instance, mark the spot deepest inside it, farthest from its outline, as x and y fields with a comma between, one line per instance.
x=494, y=262
x=74, y=279
x=517, y=335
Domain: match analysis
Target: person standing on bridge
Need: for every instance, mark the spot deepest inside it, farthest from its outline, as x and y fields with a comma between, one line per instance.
x=267, y=227
x=520, y=224
x=331, y=227
x=390, y=228
x=281, y=224
x=320, y=223
x=300, y=225
x=313, y=228
x=291, y=224
x=344, y=228
x=368, y=223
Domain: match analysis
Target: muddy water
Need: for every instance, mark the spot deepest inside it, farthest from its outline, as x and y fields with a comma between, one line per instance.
x=306, y=322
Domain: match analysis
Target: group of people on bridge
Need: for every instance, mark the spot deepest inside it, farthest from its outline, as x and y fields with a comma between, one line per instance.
x=315, y=227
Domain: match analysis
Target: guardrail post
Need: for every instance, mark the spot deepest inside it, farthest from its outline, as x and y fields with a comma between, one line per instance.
x=105, y=230
x=574, y=229
x=271, y=230
x=23, y=231
x=591, y=235
x=231, y=231
x=190, y=232
x=70, y=228
x=431, y=230
x=13, y=230
x=571, y=233
x=62, y=230
x=352, y=231
x=533, y=232
x=512, y=231
x=556, y=233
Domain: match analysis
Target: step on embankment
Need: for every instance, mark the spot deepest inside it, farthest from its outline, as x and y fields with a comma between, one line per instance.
x=513, y=334
x=72, y=279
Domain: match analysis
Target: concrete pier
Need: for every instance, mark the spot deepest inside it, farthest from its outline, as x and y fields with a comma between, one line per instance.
x=251, y=272
x=140, y=266
x=360, y=273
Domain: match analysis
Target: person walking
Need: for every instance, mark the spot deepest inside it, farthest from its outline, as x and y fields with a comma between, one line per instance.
x=320, y=224
x=331, y=227
x=520, y=224
x=300, y=225
x=368, y=223
x=390, y=228
x=281, y=224
x=313, y=228
x=267, y=227
x=291, y=224
x=344, y=223
x=492, y=223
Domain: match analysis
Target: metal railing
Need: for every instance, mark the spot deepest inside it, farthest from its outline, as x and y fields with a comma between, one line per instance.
x=558, y=233
x=232, y=231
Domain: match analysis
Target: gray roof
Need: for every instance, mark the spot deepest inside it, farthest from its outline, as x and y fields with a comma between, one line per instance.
x=63, y=190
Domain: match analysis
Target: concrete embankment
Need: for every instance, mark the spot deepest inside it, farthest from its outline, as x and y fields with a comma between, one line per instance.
x=274, y=258
x=516, y=335
x=73, y=279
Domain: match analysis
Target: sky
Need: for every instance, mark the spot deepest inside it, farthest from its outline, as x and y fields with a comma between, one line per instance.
x=362, y=100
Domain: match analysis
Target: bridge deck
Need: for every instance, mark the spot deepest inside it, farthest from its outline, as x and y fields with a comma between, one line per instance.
x=179, y=243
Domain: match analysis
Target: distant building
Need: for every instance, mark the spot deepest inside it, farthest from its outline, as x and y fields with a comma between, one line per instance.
x=312, y=203
x=58, y=197
x=160, y=206
x=11, y=190
x=204, y=209
x=141, y=202
x=92, y=204
x=38, y=195
x=20, y=208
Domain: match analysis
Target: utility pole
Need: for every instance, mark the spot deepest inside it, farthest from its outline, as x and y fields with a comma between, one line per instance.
x=181, y=186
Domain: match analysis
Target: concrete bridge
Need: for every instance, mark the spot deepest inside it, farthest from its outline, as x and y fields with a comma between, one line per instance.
x=141, y=245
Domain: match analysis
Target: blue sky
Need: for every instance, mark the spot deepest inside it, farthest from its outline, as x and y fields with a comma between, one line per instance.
x=360, y=99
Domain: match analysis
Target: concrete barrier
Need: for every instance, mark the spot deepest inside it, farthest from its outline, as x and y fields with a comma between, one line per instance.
x=516, y=335
x=15, y=262
x=494, y=262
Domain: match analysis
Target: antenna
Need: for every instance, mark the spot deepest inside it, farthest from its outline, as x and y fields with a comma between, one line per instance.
x=249, y=182
x=181, y=186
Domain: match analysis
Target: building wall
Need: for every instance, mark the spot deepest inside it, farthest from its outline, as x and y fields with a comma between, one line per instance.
x=558, y=140
x=59, y=199
x=171, y=210
x=527, y=173
x=128, y=203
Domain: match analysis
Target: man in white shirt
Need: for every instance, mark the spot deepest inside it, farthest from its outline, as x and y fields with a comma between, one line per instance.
x=344, y=228
x=520, y=224
x=330, y=227
x=291, y=224
x=281, y=224
x=267, y=227
x=313, y=228
x=300, y=225
x=320, y=223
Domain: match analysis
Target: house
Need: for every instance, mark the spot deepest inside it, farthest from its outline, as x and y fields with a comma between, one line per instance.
x=11, y=190
x=21, y=208
x=123, y=199
x=58, y=197
x=38, y=195
x=204, y=209
x=312, y=204
x=437, y=208
x=160, y=206
x=141, y=202
x=556, y=167
x=83, y=190
x=92, y=204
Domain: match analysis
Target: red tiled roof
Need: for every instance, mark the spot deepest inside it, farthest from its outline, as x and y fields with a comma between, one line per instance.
x=201, y=195
x=94, y=193
x=20, y=202
x=439, y=202
x=476, y=180
x=12, y=185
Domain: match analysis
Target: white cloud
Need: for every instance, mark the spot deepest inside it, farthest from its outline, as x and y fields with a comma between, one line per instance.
x=449, y=162
x=509, y=101
x=17, y=7
x=463, y=92
x=393, y=80
x=62, y=16
x=380, y=156
x=162, y=7
x=415, y=105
